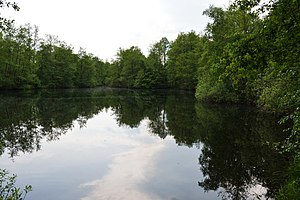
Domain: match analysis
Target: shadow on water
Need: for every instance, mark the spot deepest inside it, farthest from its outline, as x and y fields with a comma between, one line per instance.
x=235, y=158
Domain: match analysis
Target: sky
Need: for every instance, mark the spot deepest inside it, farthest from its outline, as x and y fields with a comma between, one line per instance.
x=103, y=26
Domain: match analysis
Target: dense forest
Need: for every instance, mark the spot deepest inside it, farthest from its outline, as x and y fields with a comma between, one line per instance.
x=248, y=53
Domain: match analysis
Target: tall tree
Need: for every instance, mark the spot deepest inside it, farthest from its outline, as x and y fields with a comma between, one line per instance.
x=227, y=64
x=130, y=62
x=85, y=75
x=154, y=75
x=101, y=68
x=182, y=62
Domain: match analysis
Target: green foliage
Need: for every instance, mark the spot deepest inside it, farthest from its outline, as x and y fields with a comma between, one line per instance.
x=291, y=190
x=8, y=189
x=56, y=64
x=182, y=62
x=4, y=23
x=258, y=63
x=228, y=65
x=27, y=61
x=16, y=58
x=101, y=71
x=85, y=75
x=252, y=59
x=127, y=70
x=155, y=74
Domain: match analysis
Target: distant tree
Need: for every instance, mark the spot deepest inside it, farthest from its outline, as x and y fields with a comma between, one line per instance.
x=113, y=75
x=18, y=67
x=85, y=75
x=129, y=63
x=182, y=64
x=101, y=68
x=155, y=73
x=64, y=64
x=160, y=51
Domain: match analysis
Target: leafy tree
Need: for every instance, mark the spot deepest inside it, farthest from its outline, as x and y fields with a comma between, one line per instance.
x=85, y=75
x=154, y=76
x=227, y=63
x=25, y=59
x=64, y=63
x=45, y=61
x=113, y=75
x=160, y=51
x=128, y=65
x=17, y=58
x=56, y=64
x=182, y=62
x=101, y=73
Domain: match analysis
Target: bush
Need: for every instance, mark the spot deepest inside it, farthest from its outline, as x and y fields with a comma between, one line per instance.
x=8, y=190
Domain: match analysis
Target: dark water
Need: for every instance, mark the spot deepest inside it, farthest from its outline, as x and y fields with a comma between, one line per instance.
x=126, y=144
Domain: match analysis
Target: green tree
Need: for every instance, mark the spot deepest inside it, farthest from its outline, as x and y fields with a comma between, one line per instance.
x=25, y=56
x=17, y=60
x=227, y=62
x=113, y=75
x=45, y=61
x=182, y=64
x=56, y=64
x=101, y=68
x=6, y=57
x=85, y=75
x=64, y=64
x=155, y=75
x=129, y=63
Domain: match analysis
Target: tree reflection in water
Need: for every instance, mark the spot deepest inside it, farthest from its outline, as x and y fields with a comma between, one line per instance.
x=235, y=156
x=234, y=159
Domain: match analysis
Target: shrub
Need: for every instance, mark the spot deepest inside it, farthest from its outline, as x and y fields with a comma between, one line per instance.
x=8, y=190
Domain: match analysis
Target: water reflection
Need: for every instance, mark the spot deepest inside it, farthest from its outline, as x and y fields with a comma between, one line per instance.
x=128, y=171
x=235, y=156
x=234, y=160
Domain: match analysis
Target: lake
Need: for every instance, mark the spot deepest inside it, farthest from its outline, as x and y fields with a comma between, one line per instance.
x=130, y=144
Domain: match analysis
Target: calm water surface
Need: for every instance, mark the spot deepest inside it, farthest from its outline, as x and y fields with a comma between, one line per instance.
x=126, y=144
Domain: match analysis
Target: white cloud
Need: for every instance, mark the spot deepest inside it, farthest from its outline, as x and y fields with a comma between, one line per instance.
x=102, y=26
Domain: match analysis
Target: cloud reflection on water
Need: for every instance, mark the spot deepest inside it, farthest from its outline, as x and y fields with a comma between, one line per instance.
x=128, y=171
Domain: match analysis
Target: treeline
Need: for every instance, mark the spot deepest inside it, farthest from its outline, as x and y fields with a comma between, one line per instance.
x=28, y=61
x=240, y=57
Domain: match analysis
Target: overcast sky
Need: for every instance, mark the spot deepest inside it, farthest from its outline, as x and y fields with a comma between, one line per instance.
x=103, y=26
